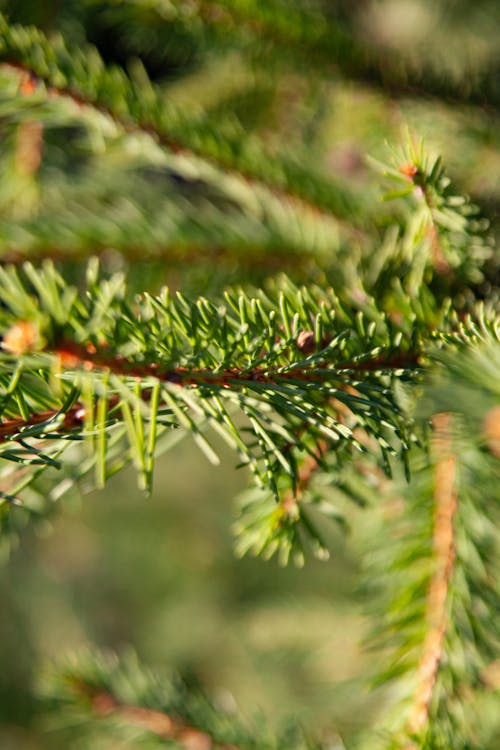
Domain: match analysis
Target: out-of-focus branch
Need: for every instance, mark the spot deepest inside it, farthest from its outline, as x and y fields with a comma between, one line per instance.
x=445, y=505
x=103, y=704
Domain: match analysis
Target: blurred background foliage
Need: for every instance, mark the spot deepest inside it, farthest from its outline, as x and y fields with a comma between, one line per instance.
x=159, y=576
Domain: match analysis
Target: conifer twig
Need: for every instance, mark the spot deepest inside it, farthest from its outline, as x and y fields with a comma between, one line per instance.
x=174, y=144
x=445, y=505
x=104, y=704
x=72, y=419
x=73, y=356
x=440, y=263
x=413, y=173
x=291, y=498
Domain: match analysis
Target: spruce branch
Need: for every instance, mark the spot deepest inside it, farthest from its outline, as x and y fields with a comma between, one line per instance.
x=83, y=77
x=114, y=213
x=150, y=206
x=123, y=374
x=375, y=392
x=258, y=263
x=106, y=706
x=442, y=559
x=74, y=356
x=446, y=236
x=445, y=501
x=132, y=702
x=289, y=527
x=266, y=527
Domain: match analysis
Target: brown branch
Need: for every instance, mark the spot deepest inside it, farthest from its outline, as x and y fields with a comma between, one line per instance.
x=438, y=255
x=72, y=419
x=87, y=357
x=291, y=499
x=164, y=726
x=445, y=505
x=73, y=356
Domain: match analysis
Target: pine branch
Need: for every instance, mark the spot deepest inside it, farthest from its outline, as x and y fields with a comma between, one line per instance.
x=292, y=364
x=442, y=562
x=149, y=206
x=105, y=706
x=259, y=262
x=171, y=342
x=74, y=356
x=131, y=701
x=446, y=233
x=140, y=108
x=267, y=527
x=71, y=419
x=131, y=378
x=445, y=499
x=321, y=394
x=287, y=528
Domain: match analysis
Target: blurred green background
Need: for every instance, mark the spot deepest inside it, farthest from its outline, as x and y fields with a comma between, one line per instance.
x=159, y=576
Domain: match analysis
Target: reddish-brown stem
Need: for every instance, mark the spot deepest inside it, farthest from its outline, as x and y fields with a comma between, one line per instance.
x=87, y=357
x=445, y=505
x=413, y=173
x=305, y=473
x=162, y=724
x=72, y=419
x=439, y=259
x=73, y=356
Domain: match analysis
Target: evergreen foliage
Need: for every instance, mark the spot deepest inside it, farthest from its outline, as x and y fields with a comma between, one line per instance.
x=170, y=269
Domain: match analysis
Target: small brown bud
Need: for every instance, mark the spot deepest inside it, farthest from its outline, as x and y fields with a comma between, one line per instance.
x=409, y=170
x=22, y=337
x=68, y=359
x=305, y=342
x=27, y=85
